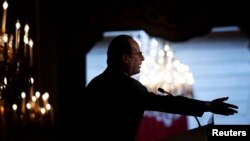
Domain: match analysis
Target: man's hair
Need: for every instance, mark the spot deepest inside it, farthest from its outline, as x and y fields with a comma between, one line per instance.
x=118, y=46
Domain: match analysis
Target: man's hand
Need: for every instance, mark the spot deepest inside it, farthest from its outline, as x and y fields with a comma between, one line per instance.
x=218, y=106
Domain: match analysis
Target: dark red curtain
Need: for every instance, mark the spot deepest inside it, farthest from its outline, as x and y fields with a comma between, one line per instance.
x=157, y=126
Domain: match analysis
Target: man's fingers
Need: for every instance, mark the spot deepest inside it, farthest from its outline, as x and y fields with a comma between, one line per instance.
x=223, y=98
x=232, y=106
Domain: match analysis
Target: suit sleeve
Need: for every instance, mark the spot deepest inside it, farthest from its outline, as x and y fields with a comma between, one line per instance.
x=171, y=104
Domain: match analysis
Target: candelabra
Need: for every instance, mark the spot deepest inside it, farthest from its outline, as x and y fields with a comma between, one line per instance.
x=20, y=101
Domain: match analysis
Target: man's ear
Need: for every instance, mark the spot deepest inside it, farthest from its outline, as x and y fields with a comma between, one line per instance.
x=125, y=58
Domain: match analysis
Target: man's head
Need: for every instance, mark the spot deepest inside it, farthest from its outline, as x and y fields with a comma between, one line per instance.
x=124, y=53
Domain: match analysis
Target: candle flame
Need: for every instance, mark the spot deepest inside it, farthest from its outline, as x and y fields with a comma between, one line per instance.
x=5, y=37
x=5, y=5
x=18, y=25
x=23, y=95
x=45, y=96
x=26, y=28
x=37, y=94
x=31, y=43
x=14, y=107
x=32, y=80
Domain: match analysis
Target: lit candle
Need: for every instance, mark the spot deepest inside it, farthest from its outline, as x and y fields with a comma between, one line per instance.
x=5, y=81
x=26, y=40
x=2, y=117
x=50, y=112
x=37, y=94
x=14, y=107
x=5, y=39
x=45, y=98
x=10, y=48
x=5, y=6
x=31, y=52
x=26, y=32
x=18, y=25
x=33, y=102
x=23, y=95
x=15, y=117
x=32, y=87
x=1, y=109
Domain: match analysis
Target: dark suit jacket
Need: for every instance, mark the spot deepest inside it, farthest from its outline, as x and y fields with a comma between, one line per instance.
x=114, y=104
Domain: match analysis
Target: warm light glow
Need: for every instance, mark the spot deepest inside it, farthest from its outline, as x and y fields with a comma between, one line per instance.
x=45, y=96
x=5, y=81
x=17, y=67
x=43, y=110
x=23, y=95
x=26, y=28
x=48, y=106
x=18, y=25
x=37, y=94
x=33, y=98
x=1, y=109
x=31, y=43
x=14, y=107
x=25, y=40
x=5, y=5
x=31, y=52
x=5, y=38
x=32, y=80
x=28, y=105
